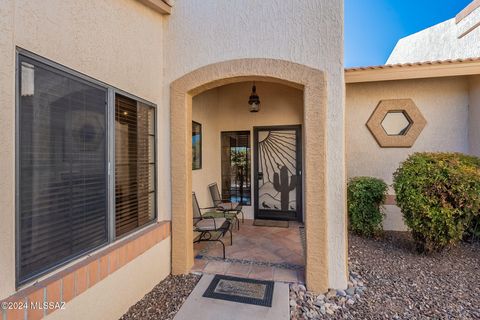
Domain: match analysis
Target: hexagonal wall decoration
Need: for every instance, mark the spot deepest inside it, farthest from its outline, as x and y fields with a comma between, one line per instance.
x=396, y=123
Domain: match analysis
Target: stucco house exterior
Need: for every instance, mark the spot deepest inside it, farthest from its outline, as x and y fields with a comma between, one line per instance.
x=123, y=75
x=449, y=40
x=98, y=99
x=437, y=68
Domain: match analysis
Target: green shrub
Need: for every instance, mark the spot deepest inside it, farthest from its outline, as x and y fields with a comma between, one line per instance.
x=439, y=195
x=365, y=196
x=473, y=232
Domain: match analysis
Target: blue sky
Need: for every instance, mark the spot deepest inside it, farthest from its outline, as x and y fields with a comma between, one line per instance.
x=373, y=27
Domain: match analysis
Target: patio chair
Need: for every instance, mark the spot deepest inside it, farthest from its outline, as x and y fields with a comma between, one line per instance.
x=210, y=228
x=225, y=205
x=218, y=213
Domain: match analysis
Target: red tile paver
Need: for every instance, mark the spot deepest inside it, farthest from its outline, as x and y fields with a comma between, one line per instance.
x=260, y=244
x=216, y=267
x=261, y=273
x=35, y=300
x=81, y=281
x=239, y=270
x=16, y=313
x=199, y=265
x=54, y=294
x=112, y=261
x=93, y=273
x=301, y=276
x=103, y=261
x=121, y=257
x=285, y=275
x=130, y=253
x=68, y=287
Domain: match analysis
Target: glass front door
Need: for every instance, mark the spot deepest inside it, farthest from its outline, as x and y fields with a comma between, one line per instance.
x=278, y=174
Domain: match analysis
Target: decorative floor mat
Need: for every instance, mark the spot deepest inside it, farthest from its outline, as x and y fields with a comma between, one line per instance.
x=256, y=292
x=270, y=223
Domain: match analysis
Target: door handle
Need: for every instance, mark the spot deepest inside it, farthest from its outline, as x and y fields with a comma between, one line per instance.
x=260, y=176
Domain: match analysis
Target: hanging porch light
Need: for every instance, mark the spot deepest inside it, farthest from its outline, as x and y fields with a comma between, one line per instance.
x=254, y=100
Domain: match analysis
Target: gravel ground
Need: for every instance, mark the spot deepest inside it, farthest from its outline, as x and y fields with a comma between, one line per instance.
x=395, y=283
x=405, y=285
x=401, y=284
x=164, y=301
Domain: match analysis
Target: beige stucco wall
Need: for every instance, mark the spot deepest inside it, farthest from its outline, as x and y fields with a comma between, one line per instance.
x=205, y=111
x=474, y=116
x=308, y=32
x=119, y=42
x=225, y=109
x=111, y=297
x=444, y=104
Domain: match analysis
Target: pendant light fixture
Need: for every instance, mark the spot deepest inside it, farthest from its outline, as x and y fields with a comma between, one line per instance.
x=254, y=100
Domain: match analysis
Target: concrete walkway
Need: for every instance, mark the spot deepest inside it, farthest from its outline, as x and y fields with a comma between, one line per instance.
x=200, y=308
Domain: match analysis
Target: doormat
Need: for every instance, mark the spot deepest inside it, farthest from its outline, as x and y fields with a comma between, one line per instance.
x=249, y=291
x=270, y=223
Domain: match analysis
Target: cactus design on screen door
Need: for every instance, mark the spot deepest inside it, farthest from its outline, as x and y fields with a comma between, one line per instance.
x=277, y=170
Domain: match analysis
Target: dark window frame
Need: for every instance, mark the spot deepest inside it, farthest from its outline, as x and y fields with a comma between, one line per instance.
x=199, y=146
x=149, y=135
x=22, y=55
x=249, y=162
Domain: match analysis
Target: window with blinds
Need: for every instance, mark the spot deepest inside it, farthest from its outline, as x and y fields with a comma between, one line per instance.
x=62, y=175
x=67, y=202
x=235, y=160
x=134, y=164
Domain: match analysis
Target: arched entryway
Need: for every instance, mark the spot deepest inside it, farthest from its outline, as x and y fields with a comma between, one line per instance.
x=313, y=84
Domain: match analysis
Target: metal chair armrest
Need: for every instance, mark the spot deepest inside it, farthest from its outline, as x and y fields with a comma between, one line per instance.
x=214, y=221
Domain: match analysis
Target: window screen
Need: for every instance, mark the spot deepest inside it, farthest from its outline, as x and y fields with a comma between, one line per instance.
x=62, y=177
x=235, y=159
x=134, y=164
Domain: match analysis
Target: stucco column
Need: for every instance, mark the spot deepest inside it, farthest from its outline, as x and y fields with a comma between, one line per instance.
x=181, y=160
x=316, y=216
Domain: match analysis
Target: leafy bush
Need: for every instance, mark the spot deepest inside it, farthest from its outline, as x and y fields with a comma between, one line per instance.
x=473, y=232
x=365, y=195
x=439, y=195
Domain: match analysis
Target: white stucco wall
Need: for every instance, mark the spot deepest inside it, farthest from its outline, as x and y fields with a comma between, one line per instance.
x=474, y=116
x=440, y=42
x=119, y=42
x=226, y=109
x=310, y=32
x=468, y=23
x=444, y=104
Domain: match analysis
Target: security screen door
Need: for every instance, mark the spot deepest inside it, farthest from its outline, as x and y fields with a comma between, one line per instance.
x=278, y=173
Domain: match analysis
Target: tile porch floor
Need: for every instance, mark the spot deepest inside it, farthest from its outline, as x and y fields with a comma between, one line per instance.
x=265, y=253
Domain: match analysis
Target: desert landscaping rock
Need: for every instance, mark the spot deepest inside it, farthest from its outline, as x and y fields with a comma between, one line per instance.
x=306, y=305
x=391, y=281
x=164, y=301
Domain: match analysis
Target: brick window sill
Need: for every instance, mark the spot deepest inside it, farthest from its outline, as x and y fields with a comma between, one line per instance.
x=67, y=283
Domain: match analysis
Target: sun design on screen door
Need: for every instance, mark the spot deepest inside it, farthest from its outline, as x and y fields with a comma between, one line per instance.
x=277, y=165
